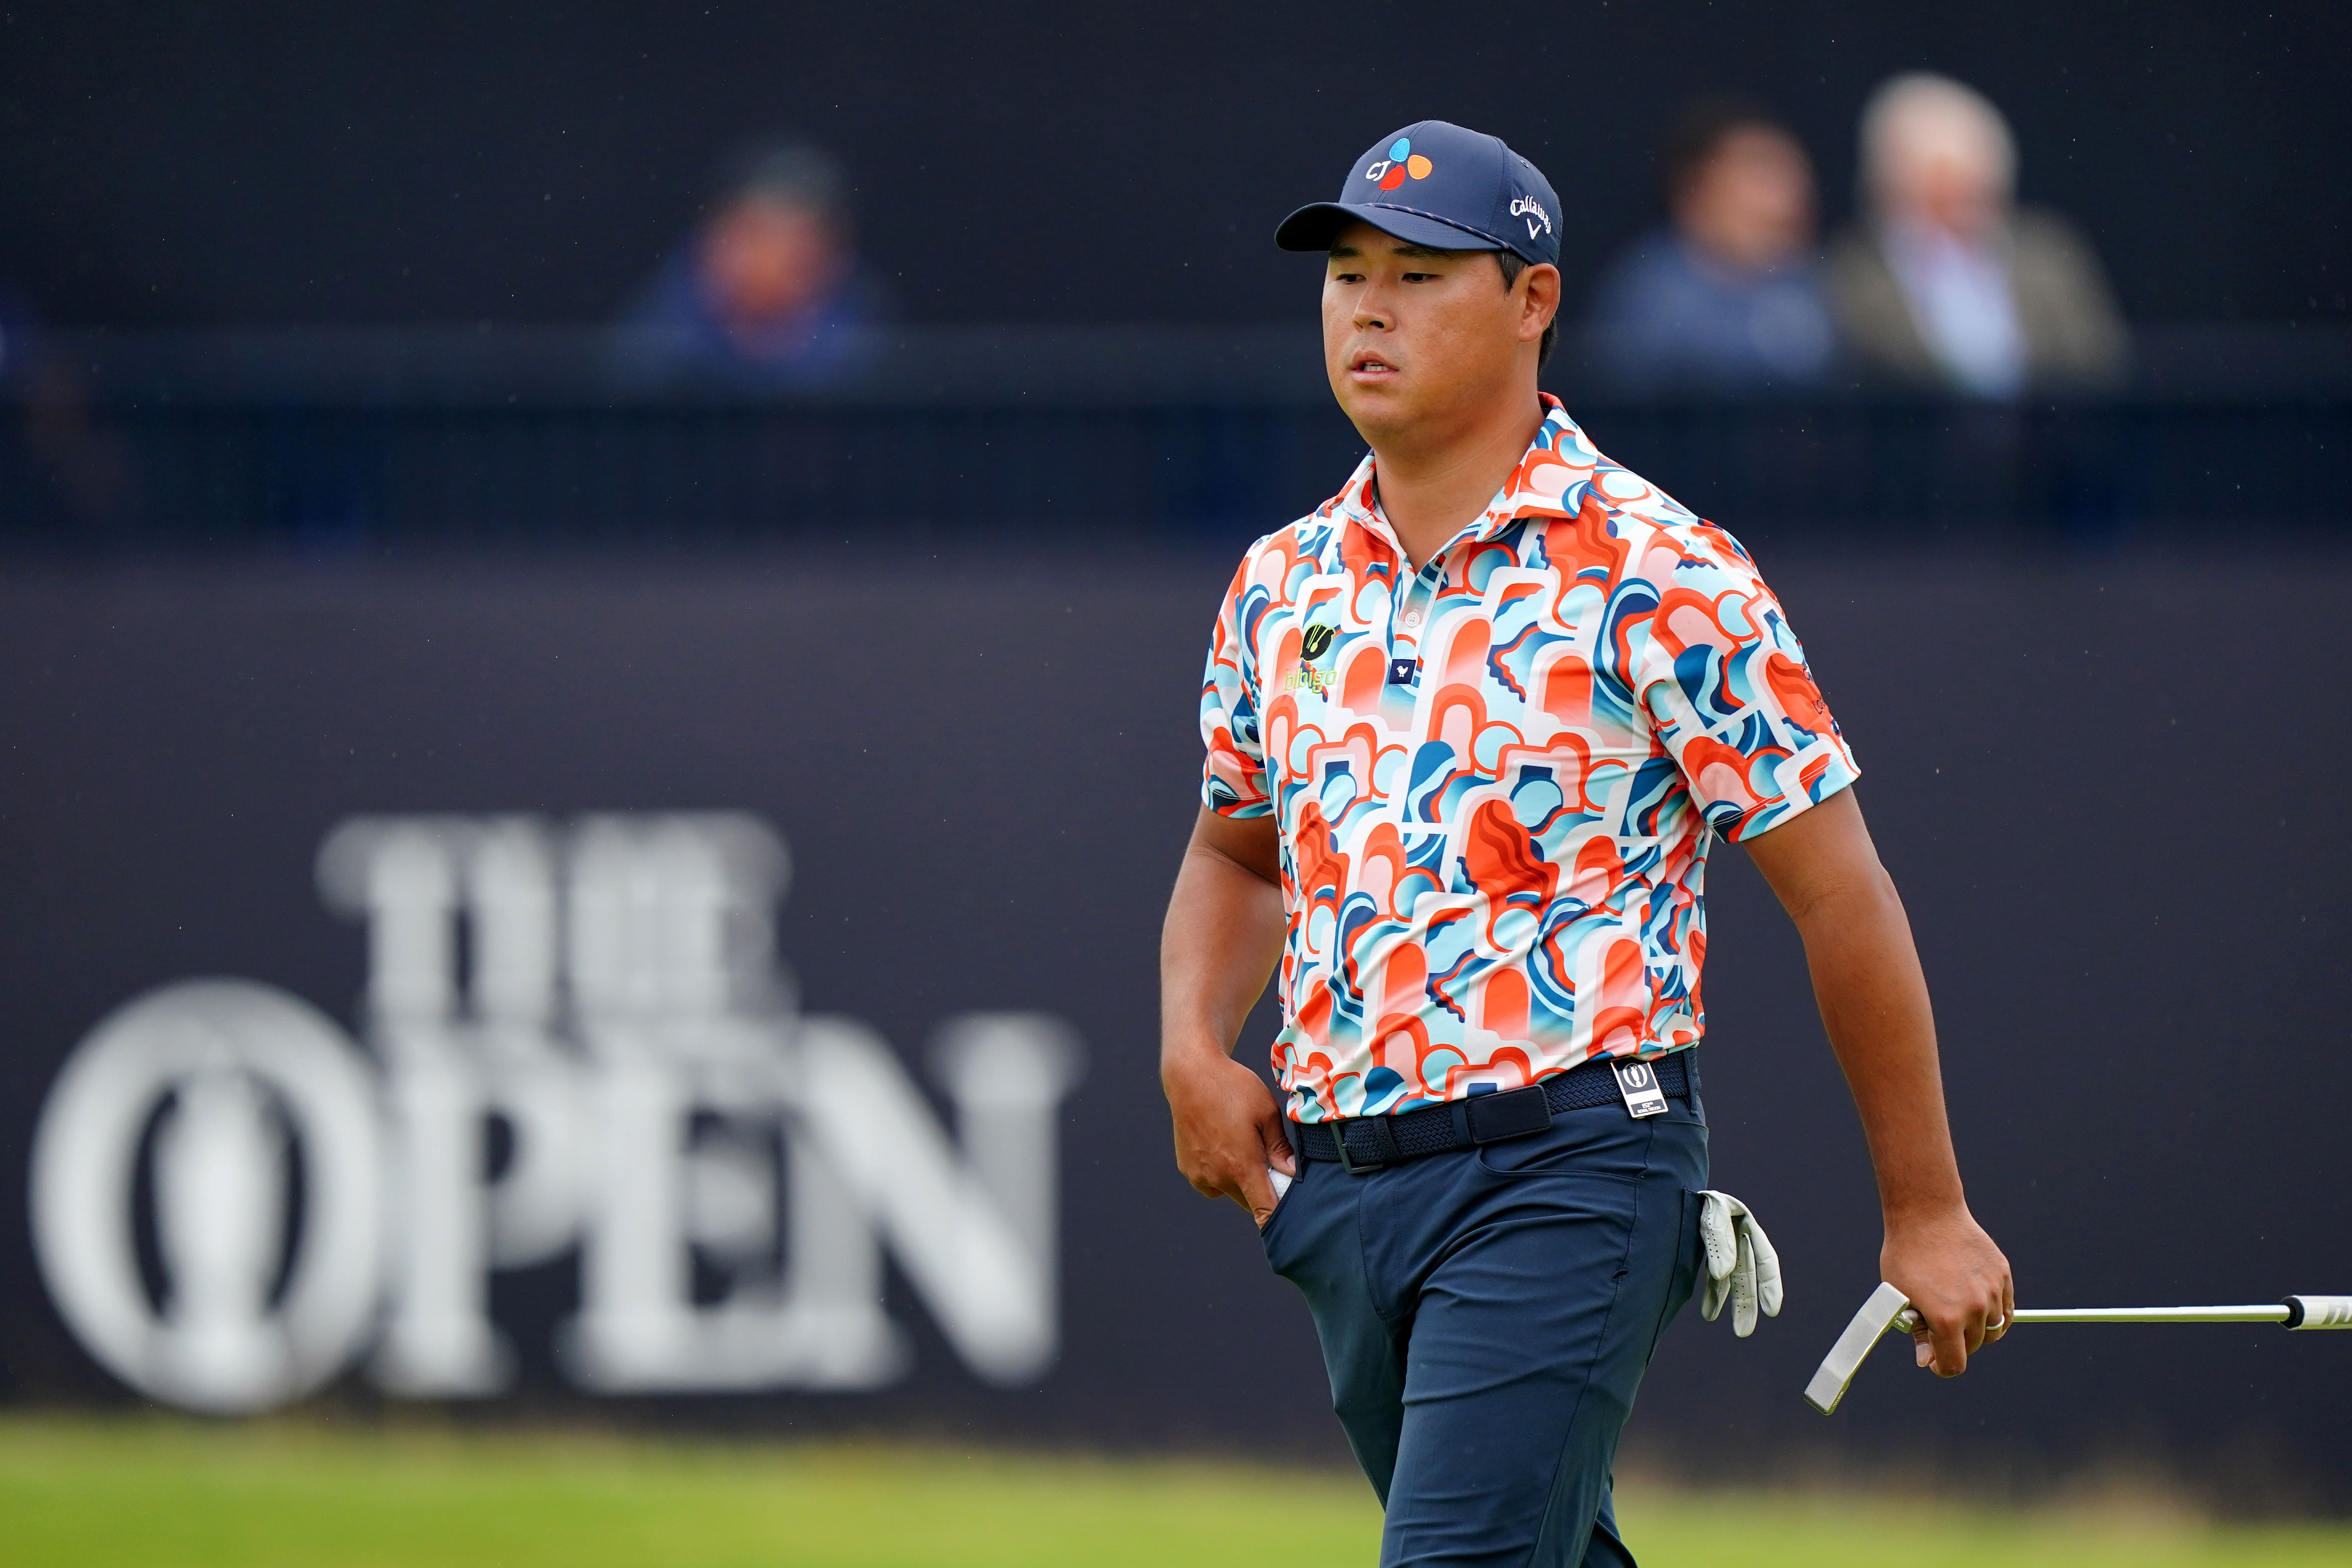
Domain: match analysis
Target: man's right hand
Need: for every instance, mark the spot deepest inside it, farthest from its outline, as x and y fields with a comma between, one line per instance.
x=1228, y=1129
x=1225, y=929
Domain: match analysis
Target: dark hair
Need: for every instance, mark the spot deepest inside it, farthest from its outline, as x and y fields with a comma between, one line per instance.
x=793, y=173
x=1699, y=131
x=1513, y=264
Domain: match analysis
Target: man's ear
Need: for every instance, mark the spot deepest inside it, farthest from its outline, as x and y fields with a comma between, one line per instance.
x=1541, y=307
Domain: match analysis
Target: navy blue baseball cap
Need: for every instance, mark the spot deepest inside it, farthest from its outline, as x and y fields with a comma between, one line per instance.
x=1437, y=185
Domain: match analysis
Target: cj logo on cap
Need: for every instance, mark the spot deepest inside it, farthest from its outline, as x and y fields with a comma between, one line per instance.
x=1402, y=160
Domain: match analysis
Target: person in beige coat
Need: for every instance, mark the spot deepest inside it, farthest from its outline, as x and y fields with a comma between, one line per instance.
x=1949, y=286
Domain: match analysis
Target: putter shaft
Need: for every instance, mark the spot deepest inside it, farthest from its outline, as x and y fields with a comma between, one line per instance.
x=2271, y=1314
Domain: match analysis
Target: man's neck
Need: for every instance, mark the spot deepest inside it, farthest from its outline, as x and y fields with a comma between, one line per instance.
x=1431, y=490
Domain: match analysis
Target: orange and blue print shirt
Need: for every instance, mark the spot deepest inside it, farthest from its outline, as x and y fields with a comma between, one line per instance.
x=1496, y=780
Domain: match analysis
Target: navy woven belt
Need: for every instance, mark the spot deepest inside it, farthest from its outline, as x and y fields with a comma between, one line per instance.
x=1368, y=1143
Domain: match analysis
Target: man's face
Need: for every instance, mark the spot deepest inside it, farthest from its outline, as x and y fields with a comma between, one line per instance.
x=1751, y=205
x=766, y=260
x=1943, y=169
x=1414, y=336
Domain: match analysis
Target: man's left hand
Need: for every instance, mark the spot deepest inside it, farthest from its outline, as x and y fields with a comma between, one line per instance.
x=1958, y=1281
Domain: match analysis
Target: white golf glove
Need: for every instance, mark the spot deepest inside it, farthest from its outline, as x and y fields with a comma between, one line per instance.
x=1741, y=1266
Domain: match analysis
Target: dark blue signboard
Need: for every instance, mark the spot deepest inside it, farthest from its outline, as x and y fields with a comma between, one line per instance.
x=726, y=989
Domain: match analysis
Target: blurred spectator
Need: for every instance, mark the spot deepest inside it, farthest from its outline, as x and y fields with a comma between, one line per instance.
x=766, y=295
x=1728, y=297
x=85, y=462
x=1950, y=286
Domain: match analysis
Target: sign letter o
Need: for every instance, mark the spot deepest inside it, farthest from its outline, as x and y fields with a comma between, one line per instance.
x=230, y=1050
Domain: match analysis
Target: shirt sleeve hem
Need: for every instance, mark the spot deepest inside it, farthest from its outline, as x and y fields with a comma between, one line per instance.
x=1787, y=808
x=1239, y=809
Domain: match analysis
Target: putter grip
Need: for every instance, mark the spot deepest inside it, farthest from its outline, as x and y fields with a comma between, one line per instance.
x=2319, y=1312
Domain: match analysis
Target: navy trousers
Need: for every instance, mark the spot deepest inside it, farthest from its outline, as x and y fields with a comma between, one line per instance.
x=1486, y=1316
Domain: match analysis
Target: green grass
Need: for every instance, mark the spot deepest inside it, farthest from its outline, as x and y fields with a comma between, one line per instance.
x=158, y=1493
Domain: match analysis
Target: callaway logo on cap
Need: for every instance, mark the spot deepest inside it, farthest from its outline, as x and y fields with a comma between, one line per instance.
x=1437, y=185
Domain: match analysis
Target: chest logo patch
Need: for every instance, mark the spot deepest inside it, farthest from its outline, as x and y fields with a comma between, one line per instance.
x=1305, y=676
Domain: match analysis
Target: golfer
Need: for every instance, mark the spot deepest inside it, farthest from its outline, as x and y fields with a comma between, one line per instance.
x=1472, y=728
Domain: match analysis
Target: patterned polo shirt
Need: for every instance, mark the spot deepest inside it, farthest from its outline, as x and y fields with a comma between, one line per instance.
x=1497, y=779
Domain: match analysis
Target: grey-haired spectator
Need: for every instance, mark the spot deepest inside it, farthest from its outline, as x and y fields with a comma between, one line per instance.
x=1727, y=297
x=1950, y=285
x=766, y=295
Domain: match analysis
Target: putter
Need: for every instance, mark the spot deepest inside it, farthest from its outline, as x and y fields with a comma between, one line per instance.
x=1890, y=1309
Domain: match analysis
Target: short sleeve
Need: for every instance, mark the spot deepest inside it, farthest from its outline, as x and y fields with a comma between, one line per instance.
x=1233, y=778
x=1727, y=691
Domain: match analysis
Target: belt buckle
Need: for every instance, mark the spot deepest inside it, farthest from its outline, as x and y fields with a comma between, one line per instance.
x=1339, y=1141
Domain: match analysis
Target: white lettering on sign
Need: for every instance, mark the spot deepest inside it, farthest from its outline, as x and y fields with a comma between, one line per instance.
x=729, y=1171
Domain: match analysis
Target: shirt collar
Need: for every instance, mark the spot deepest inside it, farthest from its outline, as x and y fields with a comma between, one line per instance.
x=1548, y=483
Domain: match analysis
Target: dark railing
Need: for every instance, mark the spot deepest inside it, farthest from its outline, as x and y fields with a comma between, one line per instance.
x=252, y=441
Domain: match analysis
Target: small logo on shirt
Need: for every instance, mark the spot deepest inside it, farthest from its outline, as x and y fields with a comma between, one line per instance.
x=1402, y=161
x=1540, y=220
x=1313, y=644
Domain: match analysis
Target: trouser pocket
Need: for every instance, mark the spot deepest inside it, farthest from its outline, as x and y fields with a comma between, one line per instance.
x=1688, y=1252
x=1283, y=1206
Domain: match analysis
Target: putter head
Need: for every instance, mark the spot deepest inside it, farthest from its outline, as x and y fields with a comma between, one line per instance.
x=1887, y=1307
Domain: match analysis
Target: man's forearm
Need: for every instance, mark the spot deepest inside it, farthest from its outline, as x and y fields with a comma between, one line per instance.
x=1874, y=1002
x=1223, y=935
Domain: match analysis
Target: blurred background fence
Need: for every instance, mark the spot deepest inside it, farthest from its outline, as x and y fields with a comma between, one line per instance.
x=403, y=439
